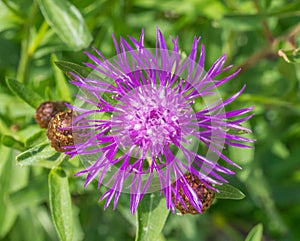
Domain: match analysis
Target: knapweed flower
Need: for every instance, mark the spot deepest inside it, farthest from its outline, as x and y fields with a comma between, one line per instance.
x=148, y=118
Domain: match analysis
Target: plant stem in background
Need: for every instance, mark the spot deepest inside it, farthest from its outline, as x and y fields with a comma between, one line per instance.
x=270, y=49
x=22, y=73
x=264, y=23
x=27, y=49
x=38, y=39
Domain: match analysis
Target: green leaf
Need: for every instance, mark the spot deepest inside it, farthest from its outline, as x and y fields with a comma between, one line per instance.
x=61, y=84
x=255, y=233
x=286, y=10
x=67, y=22
x=290, y=56
x=69, y=67
x=36, y=138
x=41, y=155
x=25, y=93
x=11, y=142
x=7, y=214
x=81, y=71
x=60, y=204
x=151, y=216
x=229, y=192
x=236, y=131
x=8, y=19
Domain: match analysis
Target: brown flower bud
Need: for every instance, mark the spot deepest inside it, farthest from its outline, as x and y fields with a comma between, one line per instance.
x=47, y=110
x=58, y=132
x=205, y=194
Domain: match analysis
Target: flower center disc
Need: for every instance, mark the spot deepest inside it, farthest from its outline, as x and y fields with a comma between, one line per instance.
x=149, y=118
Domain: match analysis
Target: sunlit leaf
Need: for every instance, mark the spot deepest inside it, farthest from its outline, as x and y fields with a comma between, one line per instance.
x=60, y=204
x=67, y=22
x=255, y=233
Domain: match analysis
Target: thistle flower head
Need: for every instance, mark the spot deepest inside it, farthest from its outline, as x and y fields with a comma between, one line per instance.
x=148, y=118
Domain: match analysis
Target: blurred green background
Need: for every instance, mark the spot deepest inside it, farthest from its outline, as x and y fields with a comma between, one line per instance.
x=33, y=34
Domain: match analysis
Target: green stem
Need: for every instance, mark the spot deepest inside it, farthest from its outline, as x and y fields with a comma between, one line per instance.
x=22, y=72
x=28, y=49
x=38, y=39
x=23, y=67
x=264, y=23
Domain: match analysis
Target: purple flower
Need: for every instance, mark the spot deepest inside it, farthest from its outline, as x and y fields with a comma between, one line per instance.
x=147, y=117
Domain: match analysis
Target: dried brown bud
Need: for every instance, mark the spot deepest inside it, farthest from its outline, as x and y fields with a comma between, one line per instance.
x=205, y=194
x=58, y=132
x=47, y=110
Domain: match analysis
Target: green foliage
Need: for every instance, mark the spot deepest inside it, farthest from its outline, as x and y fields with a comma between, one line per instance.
x=229, y=192
x=25, y=93
x=60, y=204
x=40, y=155
x=69, y=67
x=67, y=22
x=63, y=90
x=11, y=142
x=41, y=43
x=151, y=217
x=255, y=233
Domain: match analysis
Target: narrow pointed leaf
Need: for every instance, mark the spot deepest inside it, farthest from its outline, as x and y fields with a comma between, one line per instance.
x=60, y=79
x=151, y=216
x=69, y=67
x=67, y=22
x=25, y=93
x=255, y=233
x=229, y=192
x=11, y=142
x=36, y=138
x=60, y=204
x=7, y=214
x=41, y=155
